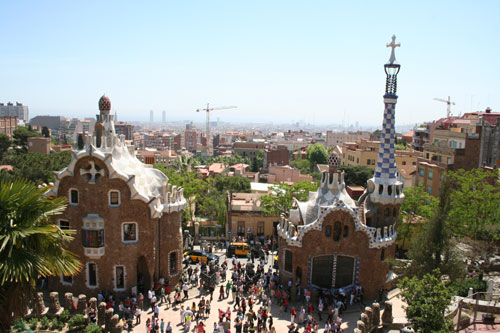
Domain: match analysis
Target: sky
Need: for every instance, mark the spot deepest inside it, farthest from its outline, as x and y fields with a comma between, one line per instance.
x=317, y=62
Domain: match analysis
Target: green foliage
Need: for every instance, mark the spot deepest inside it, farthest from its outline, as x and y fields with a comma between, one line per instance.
x=258, y=161
x=475, y=198
x=65, y=316
x=77, y=323
x=401, y=146
x=233, y=184
x=45, y=132
x=356, y=175
x=427, y=299
x=44, y=323
x=93, y=328
x=21, y=135
x=20, y=325
x=5, y=143
x=39, y=168
x=461, y=288
x=432, y=248
x=417, y=207
x=305, y=166
x=281, y=198
x=56, y=325
x=31, y=245
x=316, y=154
x=33, y=323
x=79, y=143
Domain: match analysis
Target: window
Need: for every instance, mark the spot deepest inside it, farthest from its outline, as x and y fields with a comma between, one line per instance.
x=328, y=231
x=404, y=163
x=441, y=176
x=322, y=271
x=430, y=174
x=345, y=271
x=368, y=162
x=427, y=155
x=64, y=224
x=67, y=280
x=92, y=274
x=337, y=231
x=173, y=263
x=241, y=228
x=413, y=163
x=346, y=231
x=73, y=197
x=129, y=232
x=93, y=238
x=114, y=198
x=260, y=228
x=119, y=277
x=421, y=172
x=429, y=189
x=288, y=261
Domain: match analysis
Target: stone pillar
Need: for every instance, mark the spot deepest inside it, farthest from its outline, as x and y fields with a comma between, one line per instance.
x=93, y=303
x=54, y=306
x=101, y=314
x=82, y=304
x=68, y=302
x=489, y=290
x=369, y=314
x=360, y=326
x=196, y=232
x=387, y=314
x=107, y=321
x=39, y=306
x=376, y=314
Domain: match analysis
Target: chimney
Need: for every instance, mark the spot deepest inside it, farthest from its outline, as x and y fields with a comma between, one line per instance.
x=488, y=110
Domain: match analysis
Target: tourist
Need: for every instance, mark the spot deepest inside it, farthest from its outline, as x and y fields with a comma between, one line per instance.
x=138, y=313
x=293, y=315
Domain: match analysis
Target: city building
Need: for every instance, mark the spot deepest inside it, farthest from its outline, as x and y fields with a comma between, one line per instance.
x=332, y=241
x=163, y=157
x=191, y=140
x=8, y=124
x=51, y=122
x=39, y=144
x=126, y=215
x=246, y=219
x=18, y=110
x=339, y=138
x=123, y=128
x=248, y=148
x=279, y=155
x=284, y=174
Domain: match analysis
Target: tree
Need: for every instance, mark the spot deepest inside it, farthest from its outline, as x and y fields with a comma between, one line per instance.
x=427, y=299
x=45, y=132
x=304, y=165
x=281, y=198
x=5, y=143
x=356, y=175
x=31, y=245
x=258, y=161
x=79, y=143
x=234, y=184
x=417, y=207
x=21, y=135
x=475, y=200
x=432, y=248
x=316, y=154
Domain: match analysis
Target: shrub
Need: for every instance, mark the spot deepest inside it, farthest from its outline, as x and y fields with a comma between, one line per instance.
x=19, y=325
x=77, y=323
x=44, y=323
x=93, y=328
x=56, y=325
x=64, y=316
x=33, y=323
x=461, y=288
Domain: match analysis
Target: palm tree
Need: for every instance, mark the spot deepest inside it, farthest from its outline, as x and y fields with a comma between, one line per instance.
x=31, y=245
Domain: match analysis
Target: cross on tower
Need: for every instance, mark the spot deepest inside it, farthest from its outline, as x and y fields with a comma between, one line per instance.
x=393, y=44
x=92, y=172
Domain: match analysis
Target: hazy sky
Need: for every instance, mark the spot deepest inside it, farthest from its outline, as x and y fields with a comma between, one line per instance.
x=278, y=61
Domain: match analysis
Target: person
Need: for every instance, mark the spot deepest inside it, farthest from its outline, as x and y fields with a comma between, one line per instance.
x=156, y=311
x=320, y=309
x=270, y=319
x=140, y=301
x=162, y=326
x=293, y=314
x=221, y=295
x=185, y=288
x=302, y=315
x=138, y=313
x=169, y=328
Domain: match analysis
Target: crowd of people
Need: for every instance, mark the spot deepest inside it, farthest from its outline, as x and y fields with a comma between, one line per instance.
x=250, y=288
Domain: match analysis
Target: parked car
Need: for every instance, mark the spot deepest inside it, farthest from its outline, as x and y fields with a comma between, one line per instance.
x=200, y=256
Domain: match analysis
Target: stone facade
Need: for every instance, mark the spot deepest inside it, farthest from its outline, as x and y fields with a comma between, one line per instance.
x=126, y=216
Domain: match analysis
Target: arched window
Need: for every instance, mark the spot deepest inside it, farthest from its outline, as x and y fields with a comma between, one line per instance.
x=346, y=231
x=328, y=231
x=337, y=231
x=288, y=261
x=389, y=189
x=380, y=189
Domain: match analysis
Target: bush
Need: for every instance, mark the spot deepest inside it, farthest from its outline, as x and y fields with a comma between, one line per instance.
x=77, y=323
x=44, y=323
x=56, y=325
x=33, y=323
x=64, y=316
x=19, y=325
x=93, y=328
x=461, y=288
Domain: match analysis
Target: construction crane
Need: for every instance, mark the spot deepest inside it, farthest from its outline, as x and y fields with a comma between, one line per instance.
x=448, y=108
x=208, y=109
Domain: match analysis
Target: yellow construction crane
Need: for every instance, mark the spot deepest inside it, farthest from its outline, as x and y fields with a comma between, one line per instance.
x=448, y=108
x=208, y=109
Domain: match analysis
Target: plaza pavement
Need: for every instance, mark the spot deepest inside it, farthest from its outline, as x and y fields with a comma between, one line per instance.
x=280, y=321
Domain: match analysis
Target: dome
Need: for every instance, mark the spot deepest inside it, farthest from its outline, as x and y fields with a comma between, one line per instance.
x=104, y=103
x=334, y=160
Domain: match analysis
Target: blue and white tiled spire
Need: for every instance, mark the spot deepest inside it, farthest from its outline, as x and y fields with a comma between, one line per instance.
x=386, y=184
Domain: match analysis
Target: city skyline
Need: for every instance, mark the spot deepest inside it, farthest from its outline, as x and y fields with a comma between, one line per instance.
x=280, y=62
